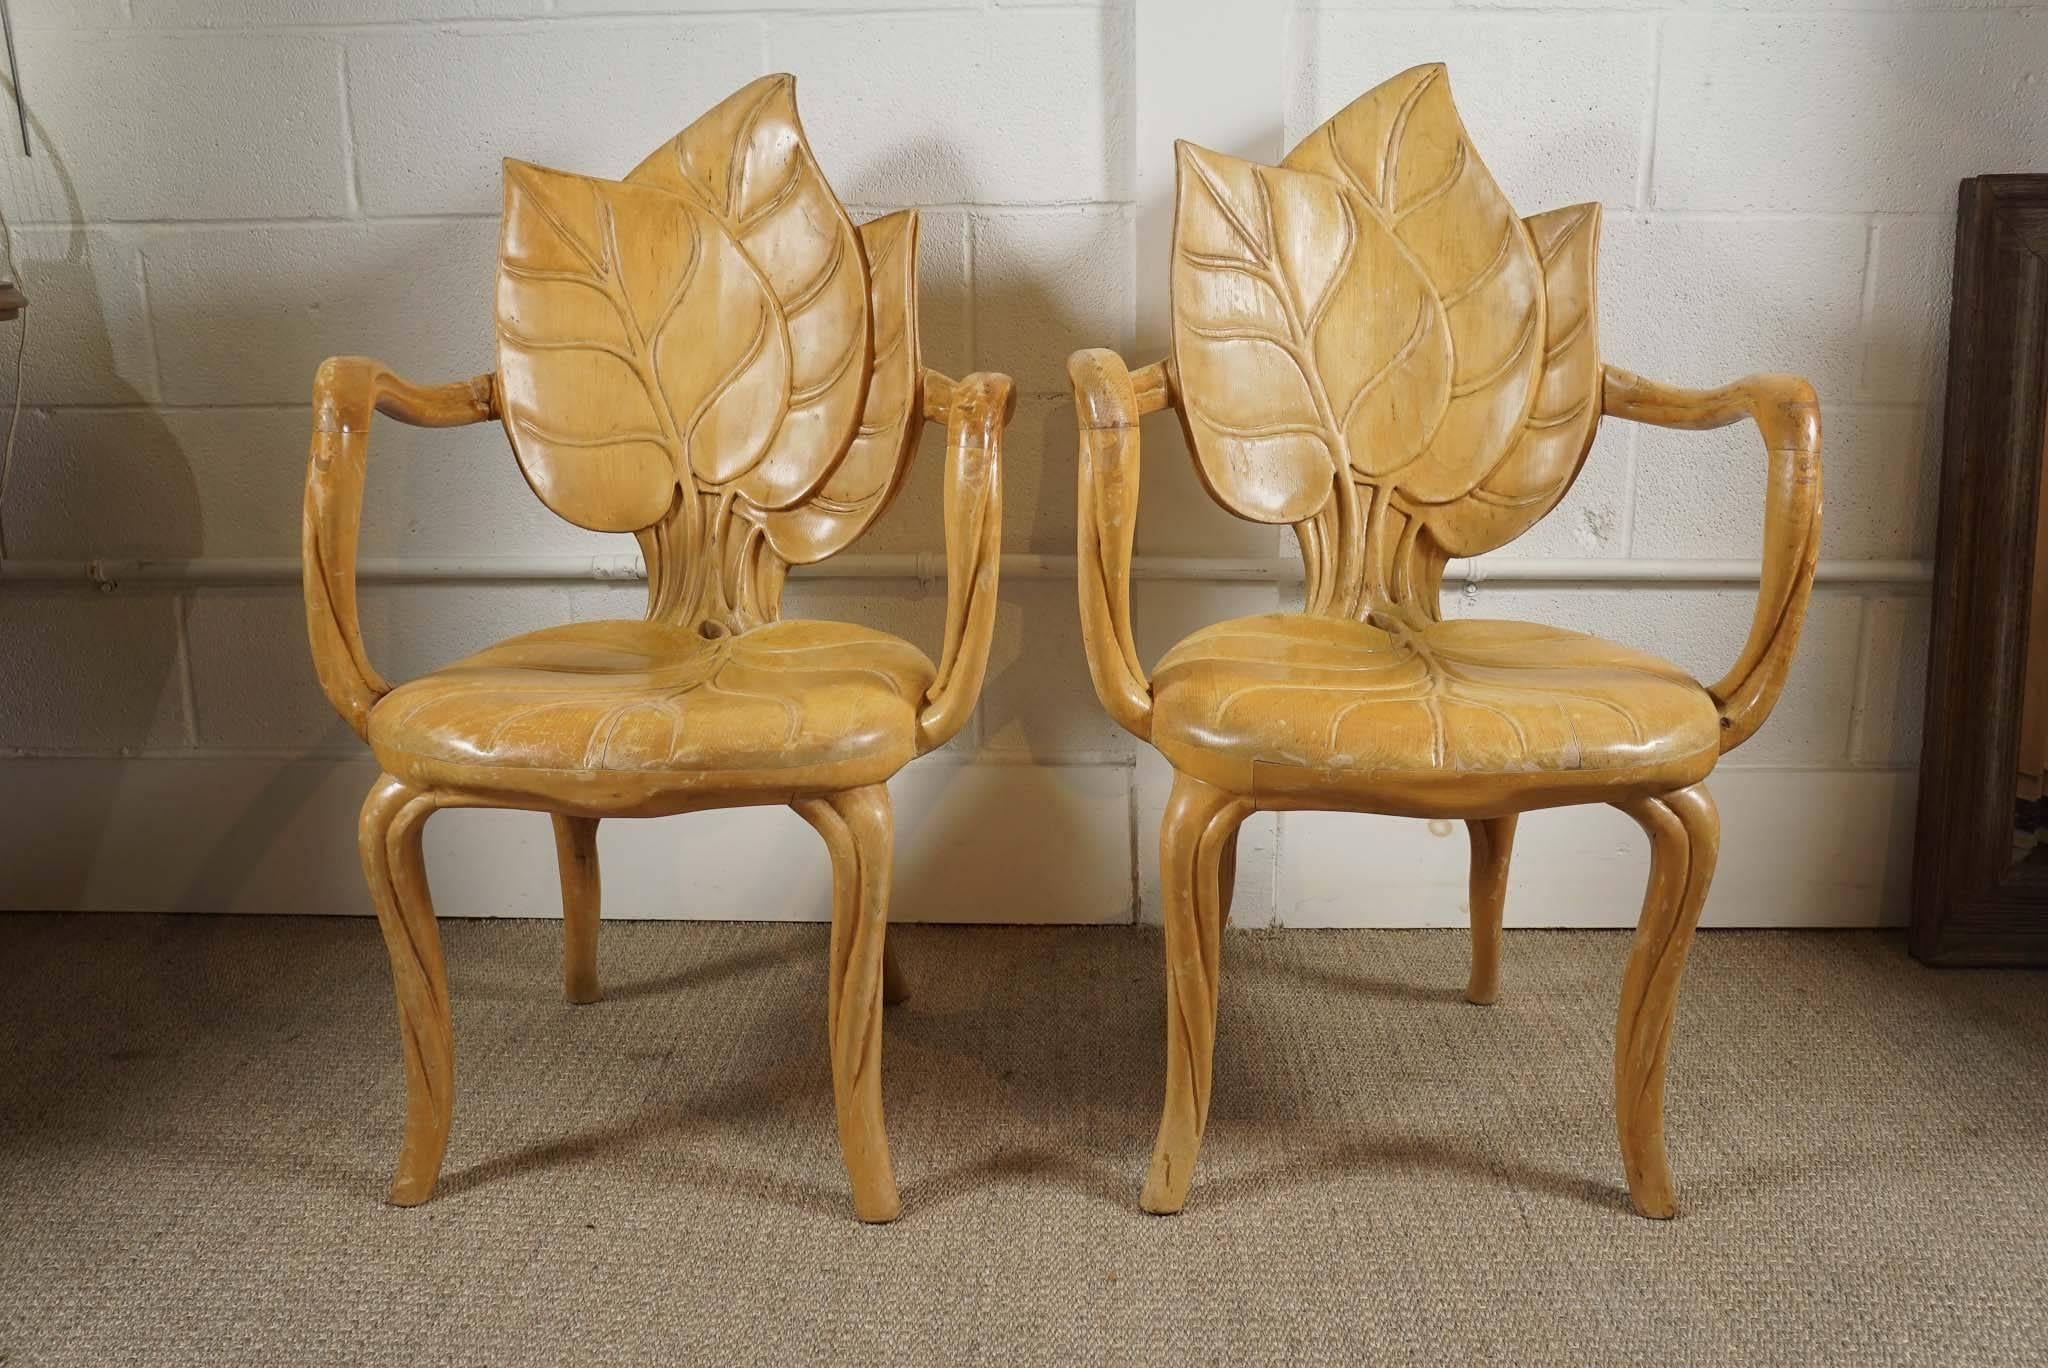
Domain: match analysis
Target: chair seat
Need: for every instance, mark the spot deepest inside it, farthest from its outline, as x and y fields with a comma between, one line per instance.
x=1417, y=716
x=636, y=715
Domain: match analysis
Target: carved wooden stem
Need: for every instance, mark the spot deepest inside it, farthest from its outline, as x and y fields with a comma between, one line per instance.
x=576, y=858
x=1201, y=822
x=860, y=832
x=1685, y=836
x=394, y=816
x=1493, y=841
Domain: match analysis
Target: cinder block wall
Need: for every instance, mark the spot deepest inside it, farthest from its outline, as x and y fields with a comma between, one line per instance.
x=225, y=191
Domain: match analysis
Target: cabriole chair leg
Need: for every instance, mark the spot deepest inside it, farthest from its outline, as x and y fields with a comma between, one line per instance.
x=1199, y=831
x=859, y=830
x=1685, y=836
x=393, y=821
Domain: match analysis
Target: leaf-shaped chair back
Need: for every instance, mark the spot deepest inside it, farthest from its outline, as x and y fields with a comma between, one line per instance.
x=709, y=354
x=1369, y=344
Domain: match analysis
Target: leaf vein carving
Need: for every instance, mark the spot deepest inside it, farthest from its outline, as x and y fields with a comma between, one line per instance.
x=1440, y=189
x=1487, y=272
x=1465, y=387
x=1378, y=377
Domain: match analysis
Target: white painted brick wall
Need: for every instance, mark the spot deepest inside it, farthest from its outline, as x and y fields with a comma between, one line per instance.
x=226, y=191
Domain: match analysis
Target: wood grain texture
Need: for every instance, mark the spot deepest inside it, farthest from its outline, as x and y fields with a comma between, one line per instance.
x=347, y=392
x=1972, y=904
x=710, y=355
x=1368, y=343
x=394, y=862
x=582, y=903
x=1200, y=825
x=1397, y=708
x=1685, y=840
x=974, y=412
x=1787, y=417
x=1493, y=846
x=859, y=831
x=748, y=163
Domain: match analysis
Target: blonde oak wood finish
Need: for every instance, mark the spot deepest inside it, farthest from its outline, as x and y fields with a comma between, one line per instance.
x=710, y=355
x=1368, y=344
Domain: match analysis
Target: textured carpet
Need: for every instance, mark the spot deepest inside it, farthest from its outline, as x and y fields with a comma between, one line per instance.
x=197, y=1117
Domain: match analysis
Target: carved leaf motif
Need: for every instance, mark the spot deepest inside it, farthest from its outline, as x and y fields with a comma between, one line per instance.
x=1403, y=149
x=638, y=347
x=861, y=485
x=1306, y=338
x=747, y=162
x=1552, y=445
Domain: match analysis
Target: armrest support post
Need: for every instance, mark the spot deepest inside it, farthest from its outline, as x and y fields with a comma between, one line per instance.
x=1107, y=405
x=346, y=391
x=975, y=411
x=1787, y=414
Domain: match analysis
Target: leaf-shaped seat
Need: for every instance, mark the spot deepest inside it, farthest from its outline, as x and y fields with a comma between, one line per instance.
x=649, y=711
x=1411, y=712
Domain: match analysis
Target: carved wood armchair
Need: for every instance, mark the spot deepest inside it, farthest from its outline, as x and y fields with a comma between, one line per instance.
x=711, y=356
x=1368, y=344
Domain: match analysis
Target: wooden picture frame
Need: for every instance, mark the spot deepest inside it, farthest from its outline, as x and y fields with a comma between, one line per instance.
x=1972, y=903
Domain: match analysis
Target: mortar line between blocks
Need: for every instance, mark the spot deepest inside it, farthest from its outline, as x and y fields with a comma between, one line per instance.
x=151, y=350
x=1867, y=305
x=351, y=162
x=1631, y=458
x=546, y=21
x=1859, y=697
x=972, y=301
x=188, y=695
x=201, y=225
x=1646, y=158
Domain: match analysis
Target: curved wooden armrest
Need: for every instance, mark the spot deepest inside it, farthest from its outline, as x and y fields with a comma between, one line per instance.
x=1785, y=411
x=1108, y=402
x=346, y=390
x=974, y=411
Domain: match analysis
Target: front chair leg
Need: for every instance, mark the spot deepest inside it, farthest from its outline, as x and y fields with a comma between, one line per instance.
x=1685, y=836
x=859, y=830
x=1493, y=841
x=1198, y=832
x=576, y=859
x=394, y=861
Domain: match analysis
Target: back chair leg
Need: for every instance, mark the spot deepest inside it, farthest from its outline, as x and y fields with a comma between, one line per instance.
x=1493, y=842
x=1198, y=832
x=389, y=834
x=1685, y=836
x=859, y=830
x=895, y=987
x=576, y=858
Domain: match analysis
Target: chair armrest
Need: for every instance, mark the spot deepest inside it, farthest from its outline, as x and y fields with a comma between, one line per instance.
x=1787, y=414
x=346, y=390
x=1108, y=402
x=974, y=411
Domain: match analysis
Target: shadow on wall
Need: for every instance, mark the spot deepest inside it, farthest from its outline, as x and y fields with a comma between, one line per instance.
x=90, y=670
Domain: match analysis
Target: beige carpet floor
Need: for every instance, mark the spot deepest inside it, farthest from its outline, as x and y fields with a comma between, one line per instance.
x=197, y=1117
